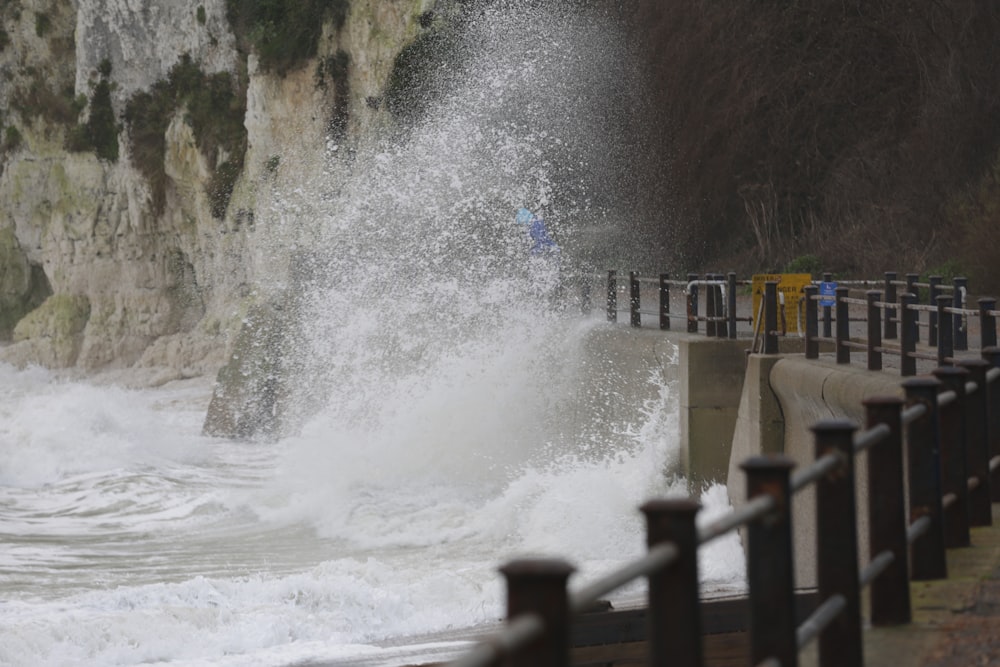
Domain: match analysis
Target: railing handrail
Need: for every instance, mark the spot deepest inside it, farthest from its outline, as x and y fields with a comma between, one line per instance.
x=943, y=420
x=711, y=298
x=946, y=324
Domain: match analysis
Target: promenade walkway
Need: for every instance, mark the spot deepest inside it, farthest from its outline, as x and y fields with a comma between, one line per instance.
x=956, y=621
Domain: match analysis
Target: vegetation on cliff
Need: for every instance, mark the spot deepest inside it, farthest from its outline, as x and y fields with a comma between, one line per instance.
x=283, y=34
x=214, y=105
x=866, y=135
x=100, y=131
x=415, y=79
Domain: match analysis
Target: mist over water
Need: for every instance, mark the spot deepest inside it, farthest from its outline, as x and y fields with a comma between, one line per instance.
x=446, y=416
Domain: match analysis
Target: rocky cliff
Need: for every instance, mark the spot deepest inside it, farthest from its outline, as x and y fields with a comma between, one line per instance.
x=140, y=144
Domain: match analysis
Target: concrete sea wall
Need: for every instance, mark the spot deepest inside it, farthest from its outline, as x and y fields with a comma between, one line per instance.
x=734, y=406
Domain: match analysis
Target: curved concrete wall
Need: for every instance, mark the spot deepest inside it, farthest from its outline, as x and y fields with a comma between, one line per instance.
x=782, y=398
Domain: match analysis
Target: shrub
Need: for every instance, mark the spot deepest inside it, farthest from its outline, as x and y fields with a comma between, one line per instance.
x=12, y=138
x=411, y=85
x=102, y=126
x=810, y=264
x=975, y=213
x=283, y=34
x=215, y=111
x=100, y=133
x=43, y=24
x=335, y=68
x=786, y=126
x=36, y=97
x=220, y=188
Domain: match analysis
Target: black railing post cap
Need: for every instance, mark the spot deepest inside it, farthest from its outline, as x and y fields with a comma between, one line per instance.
x=883, y=401
x=987, y=300
x=950, y=372
x=537, y=567
x=669, y=506
x=834, y=426
x=921, y=382
x=972, y=363
x=768, y=462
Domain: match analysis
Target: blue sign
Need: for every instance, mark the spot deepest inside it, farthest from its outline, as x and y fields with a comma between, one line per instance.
x=826, y=292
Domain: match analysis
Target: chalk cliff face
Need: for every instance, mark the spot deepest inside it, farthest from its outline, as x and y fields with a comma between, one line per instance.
x=111, y=259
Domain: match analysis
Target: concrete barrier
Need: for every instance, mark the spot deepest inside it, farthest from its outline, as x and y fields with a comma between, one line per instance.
x=711, y=375
x=783, y=396
x=734, y=406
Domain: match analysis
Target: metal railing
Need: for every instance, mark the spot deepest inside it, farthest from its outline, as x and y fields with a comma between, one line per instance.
x=711, y=299
x=715, y=290
x=932, y=462
x=947, y=326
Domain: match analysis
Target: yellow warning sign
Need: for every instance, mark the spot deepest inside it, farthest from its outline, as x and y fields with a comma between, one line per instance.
x=790, y=292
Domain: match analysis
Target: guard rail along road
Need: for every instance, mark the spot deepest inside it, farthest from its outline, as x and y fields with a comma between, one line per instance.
x=932, y=460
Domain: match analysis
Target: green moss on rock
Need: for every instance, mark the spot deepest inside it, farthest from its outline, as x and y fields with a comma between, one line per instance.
x=23, y=286
x=55, y=329
x=248, y=391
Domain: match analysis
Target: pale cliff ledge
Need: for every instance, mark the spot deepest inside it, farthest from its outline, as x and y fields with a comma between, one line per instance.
x=95, y=275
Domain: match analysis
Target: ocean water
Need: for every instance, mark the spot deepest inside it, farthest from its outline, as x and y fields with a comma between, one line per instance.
x=442, y=418
x=129, y=538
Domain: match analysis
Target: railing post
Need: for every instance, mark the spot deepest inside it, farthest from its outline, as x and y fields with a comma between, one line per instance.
x=907, y=344
x=843, y=327
x=612, y=296
x=890, y=312
x=890, y=591
x=961, y=338
x=664, y=301
x=837, y=544
x=992, y=355
x=538, y=586
x=692, y=304
x=711, y=326
x=987, y=323
x=634, y=300
x=770, y=564
x=874, y=331
x=977, y=447
x=731, y=304
x=911, y=287
x=770, y=317
x=927, y=553
x=932, y=319
x=828, y=311
x=812, y=323
x=722, y=326
x=946, y=331
x=954, y=475
x=674, y=614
